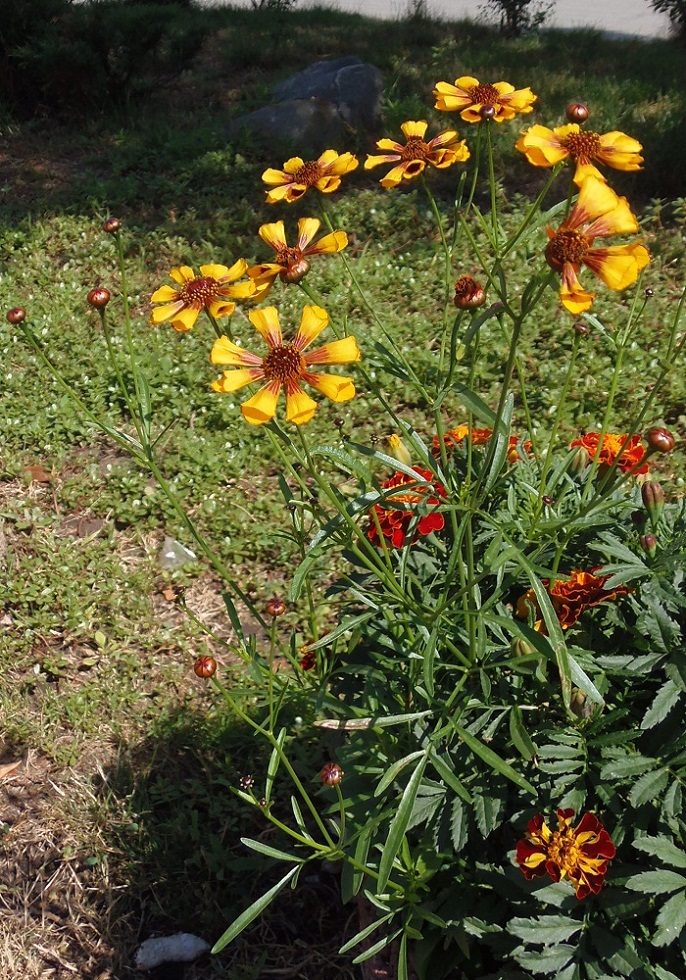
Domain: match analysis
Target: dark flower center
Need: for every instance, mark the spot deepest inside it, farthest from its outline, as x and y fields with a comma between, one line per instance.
x=485, y=95
x=283, y=364
x=582, y=146
x=566, y=245
x=308, y=174
x=199, y=292
x=415, y=149
x=288, y=255
x=563, y=850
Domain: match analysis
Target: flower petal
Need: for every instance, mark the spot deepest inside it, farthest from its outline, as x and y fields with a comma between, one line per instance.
x=261, y=407
x=332, y=386
x=273, y=234
x=185, y=319
x=299, y=406
x=165, y=294
x=415, y=129
x=225, y=352
x=266, y=322
x=344, y=351
x=233, y=380
x=162, y=313
x=182, y=275
x=307, y=229
x=329, y=244
x=618, y=265
x=314, y=319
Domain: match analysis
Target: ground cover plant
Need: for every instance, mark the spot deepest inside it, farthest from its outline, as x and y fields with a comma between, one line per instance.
x=79, y=512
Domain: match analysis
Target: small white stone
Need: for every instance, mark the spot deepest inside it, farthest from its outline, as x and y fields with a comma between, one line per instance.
x=183, y=947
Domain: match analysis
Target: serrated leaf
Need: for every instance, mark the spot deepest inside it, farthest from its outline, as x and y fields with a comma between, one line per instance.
x=458, y=826
x=648, y=787
x=545, y=930
x=656, y=882
x=671, y=920
x=662, y=848
x=665, y=699
x=551, y=960
x=627, y=767
x=487, y=811
x=251, y=913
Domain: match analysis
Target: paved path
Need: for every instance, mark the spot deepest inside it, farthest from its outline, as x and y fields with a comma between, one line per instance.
x=632, y=17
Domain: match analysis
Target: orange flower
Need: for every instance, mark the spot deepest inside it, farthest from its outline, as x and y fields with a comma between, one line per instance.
x=476, y=102
x=287, y=365
x=212, y=290
x=570, y=597
x=440, y=152
x=580, y=854
x=291, y=260
x=395, y=524
x=297, y=176
x=617, y=448
x=545, y=147
x=597, y=213
x=478, y=437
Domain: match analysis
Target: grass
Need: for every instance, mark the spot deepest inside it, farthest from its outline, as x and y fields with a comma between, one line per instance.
x=122, y=810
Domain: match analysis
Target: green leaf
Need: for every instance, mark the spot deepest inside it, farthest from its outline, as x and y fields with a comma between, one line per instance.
x=520, y=736
x=344, y=627
x=671, y=920
x=494, y=760
x=545, y=930
x=487, y=811
x=656, y=882
x=475, y=405
x=662, y=848
x=648, y=786
x=502, y=437
x=666, y=698
x=398, y=826
x=272, y=852
x=627, y=767
x=448, y=776
x=352, y=878
x=393, y=771
x=274, y=763
x=377, y=947
x=251, y=913
x=550, y=960
x=584, y=682
x=458, y=826
x=144, y=401
x=363, y=933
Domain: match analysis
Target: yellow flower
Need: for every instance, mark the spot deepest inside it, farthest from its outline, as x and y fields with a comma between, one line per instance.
x=597, y=213
x=413, y=157
x=292, y=182
x=476, y=102
x=211, y=290
x=285, y=366
x=545, y=147
x=291, y=260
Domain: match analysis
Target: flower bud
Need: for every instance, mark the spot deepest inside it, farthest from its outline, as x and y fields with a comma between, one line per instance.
x=659, y=440
x=578, y=705
x=638, y=518
x=469, y=294
x=653, y=497
x=308, y=658
x=246, y=782
x=521, y=647
x=331, y=774
x=275, y=607
x=648, y=292
x=295, y=271
x=548, y=500
x=580, y=327
x=99, y=297
x=577, y=112
x=398, y=450
x=649, y=544
x=205, y=667
x=111, y=226
x=16, y=315
x=487, y=112
x=580, y=460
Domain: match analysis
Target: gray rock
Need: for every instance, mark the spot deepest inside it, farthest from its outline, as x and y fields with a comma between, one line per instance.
x=305, y=125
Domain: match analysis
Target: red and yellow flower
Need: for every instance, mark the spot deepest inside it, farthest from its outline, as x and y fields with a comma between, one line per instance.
x=598, y=213
x=442, y=151
x=214, y=290
x=394, y=524
x=571, y=597
x=627, y=453
x=291, y=261
x=298, y=176
x=580, y=854
x=545, y=147
x=287, y=365
x=478, y=437
x=474, y=101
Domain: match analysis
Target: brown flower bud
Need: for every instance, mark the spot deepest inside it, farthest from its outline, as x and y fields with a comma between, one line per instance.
x=659, y=440
x=548, y=500
x=99, y=297
x=648, y=292
x=16, y=315
x=295, y=271
x=577, y=112
x=331, y=774
x=580, y=327
x=275, y=607
x=205, y=667
x=653, y=497
x=469, y=294
x=487, y=112
x=649, y=544
x=111, y=226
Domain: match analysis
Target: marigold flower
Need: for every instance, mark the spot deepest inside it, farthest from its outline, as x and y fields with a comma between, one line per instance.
x=545, y=147
x=213, y=290
x=477, y=437
x=571, y=597
x=468, y=97
x=297, y=176
x=440, y=152
x=580, y=854
x=597, y=213
x=291, y=260
x=617, y=448
x=285, y=366
x=393, y=524
x=308, y=658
